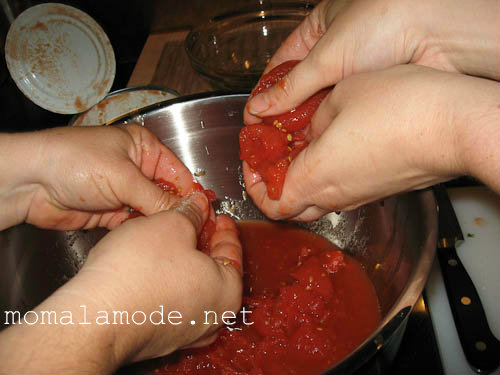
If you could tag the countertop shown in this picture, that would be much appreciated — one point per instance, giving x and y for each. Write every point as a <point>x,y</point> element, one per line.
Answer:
<point>164,62</point>
<point>478,212</point>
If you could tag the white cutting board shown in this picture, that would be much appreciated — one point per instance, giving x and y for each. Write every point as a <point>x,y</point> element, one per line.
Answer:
<point>478,212</point>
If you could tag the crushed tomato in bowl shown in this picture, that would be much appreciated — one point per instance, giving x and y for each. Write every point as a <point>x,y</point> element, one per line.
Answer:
<point>270,147</point>
<point>310,306</point>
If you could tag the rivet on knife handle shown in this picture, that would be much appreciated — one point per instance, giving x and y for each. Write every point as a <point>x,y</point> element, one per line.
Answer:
<point>480,346</point>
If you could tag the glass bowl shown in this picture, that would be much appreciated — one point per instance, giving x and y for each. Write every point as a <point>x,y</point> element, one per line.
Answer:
<point>232,50</point>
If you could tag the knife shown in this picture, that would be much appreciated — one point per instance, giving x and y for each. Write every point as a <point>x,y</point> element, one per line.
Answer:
<point>480,346</point>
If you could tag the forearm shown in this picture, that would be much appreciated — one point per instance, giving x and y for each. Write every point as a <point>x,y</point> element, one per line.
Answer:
<point>480,144</point>
<point>466,33</point>
<point>63,344</point>
<point>18,153</point>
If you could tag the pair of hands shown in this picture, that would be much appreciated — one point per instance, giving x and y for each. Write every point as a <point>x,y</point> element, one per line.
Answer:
<point>378,133</point>
<point>73,178</point>
<point>402,116</point>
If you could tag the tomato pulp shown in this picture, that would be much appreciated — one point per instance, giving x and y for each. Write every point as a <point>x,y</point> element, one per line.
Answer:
<point>270,147</point>
<point>310,304</point>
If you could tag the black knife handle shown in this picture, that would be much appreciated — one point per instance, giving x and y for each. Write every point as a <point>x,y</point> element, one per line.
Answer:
<point>480,346</point>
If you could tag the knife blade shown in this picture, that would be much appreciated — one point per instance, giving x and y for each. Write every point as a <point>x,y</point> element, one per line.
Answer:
<point>480,346</point>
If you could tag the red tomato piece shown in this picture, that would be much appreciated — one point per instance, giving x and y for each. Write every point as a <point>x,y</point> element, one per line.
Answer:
<point>296,305</point>
<point>234,349</point>
<point>332,260</point>
<point>275,178</point>
<point>312,276</point>
<point>210,194</point>
<point>305,252</point>
<point>262,146</point>
<point>298,118</point>
<point>262,319</point>
<point>273,76</point>
<point>266,150</point>
<point>270,352</point>
<point>269,152</point>
<point>310,344</point>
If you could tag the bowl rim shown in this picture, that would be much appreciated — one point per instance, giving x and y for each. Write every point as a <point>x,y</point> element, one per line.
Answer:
<point>250,14</point>
<point>294,5</point>
<point>75,117</point>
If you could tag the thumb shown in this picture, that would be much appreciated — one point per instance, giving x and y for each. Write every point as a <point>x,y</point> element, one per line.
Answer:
<point>182,222</point>
<point>322,52</point>
<point>195,208</point>
<point>304,80</point>
<point>144,196</point>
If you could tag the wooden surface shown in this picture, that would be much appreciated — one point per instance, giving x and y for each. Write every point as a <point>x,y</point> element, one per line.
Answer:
<point>164,62</point>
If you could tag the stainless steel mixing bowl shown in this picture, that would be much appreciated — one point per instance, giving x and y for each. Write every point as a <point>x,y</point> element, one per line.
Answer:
<point>394,240</point>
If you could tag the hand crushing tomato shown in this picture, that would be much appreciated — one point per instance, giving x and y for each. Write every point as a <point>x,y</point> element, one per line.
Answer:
<point>270,147</point>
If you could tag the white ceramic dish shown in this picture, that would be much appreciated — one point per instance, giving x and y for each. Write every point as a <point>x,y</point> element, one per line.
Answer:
<point>120,103</point>
<point>60,58</point>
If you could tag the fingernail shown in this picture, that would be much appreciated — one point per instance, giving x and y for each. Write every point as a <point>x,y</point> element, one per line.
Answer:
<point>258,104</point>
<point>195,208</point>
<point>226,262</point>
<point>199,200</point>
<point>255,178</point>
